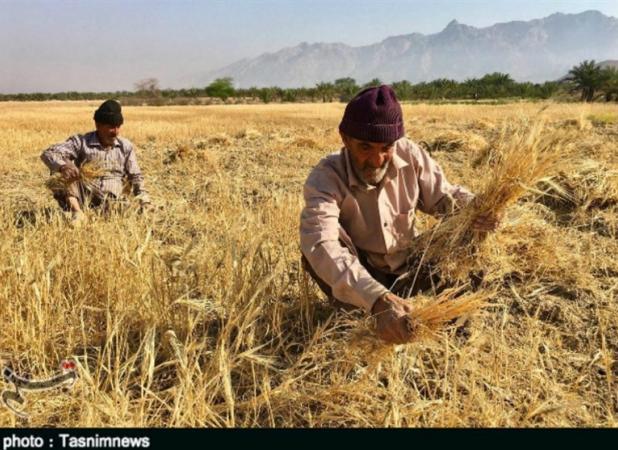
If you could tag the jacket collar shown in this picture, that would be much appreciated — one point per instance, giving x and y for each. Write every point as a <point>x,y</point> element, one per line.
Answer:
<point>93,140</point>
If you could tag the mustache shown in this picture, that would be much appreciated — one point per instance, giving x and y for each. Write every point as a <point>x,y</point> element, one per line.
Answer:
<point>376,169</point>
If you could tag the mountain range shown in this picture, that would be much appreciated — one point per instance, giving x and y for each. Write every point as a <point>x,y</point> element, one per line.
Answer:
<point>537,50</point>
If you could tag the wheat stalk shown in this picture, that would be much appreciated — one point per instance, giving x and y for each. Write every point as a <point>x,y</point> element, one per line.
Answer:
<point>432,314</point>
<point>89,171</point>
<point>522,159</point>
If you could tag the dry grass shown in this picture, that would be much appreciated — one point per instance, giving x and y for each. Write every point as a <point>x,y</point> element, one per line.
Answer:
<point>199,314</point>
<point>432,314</point>
<point>524,155</point>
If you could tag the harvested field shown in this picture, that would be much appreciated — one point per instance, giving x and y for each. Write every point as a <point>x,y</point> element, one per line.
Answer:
<point>199,313</point>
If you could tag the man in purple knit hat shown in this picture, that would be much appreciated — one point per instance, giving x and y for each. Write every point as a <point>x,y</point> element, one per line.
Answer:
<point>358,219</point>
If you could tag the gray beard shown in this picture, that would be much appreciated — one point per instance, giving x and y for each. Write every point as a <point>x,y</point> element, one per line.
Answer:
<point>376,177</point>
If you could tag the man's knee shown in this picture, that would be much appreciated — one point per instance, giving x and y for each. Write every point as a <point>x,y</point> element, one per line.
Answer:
<point>62,199</point>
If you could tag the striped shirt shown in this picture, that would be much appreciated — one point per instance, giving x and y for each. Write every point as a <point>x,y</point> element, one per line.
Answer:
<point>117,162</point>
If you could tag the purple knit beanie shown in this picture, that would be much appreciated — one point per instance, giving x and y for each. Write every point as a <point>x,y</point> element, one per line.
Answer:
<point>373,115</point>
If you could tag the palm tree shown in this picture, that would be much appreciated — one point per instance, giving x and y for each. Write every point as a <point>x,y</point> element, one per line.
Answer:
<point>588,78</point>
<point>403,89</point>
<point>610,87</point>
<point>373,83</point>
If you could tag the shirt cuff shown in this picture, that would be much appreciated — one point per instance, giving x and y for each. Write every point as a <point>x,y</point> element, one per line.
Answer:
<point>143,197</point>
<point>55,166</point>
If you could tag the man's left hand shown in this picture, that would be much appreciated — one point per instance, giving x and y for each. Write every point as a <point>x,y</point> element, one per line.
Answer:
<point>487,222</point>
<point>145,206</point>
<point>144,202</point>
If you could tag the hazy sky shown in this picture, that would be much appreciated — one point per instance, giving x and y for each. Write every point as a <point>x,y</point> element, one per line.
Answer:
<point>61,45</point>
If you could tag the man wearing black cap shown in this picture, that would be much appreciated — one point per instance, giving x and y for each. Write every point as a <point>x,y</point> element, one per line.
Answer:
<point>114,155</point>
<point>358,220</point>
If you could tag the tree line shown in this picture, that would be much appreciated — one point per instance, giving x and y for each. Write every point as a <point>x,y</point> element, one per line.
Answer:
<point>588,80</point>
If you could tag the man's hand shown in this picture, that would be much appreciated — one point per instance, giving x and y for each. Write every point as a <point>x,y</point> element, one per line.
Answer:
<point>487,222</point>
<point>78,218</point>
<point>69,171</point>
<point>146,207</point>
<point>393,322</point>
<point>144,203</point>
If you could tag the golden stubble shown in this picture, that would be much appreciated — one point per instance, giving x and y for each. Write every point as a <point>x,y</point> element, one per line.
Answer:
<point>200,314</point>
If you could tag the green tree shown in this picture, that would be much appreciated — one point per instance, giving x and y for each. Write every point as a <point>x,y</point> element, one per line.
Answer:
<point>443,88</point>
<point>326,91</point>
<point>403,89</point>
<point>373,83</point>
<point>221,88</point>
<point>497,79</point>
<point>345,88</point>
<point>547,89</point>
<point>473,88</point>
<point>610,86</point>
<point>289,95</point>
<point>497,84</point>
<point>267,94</point>
<point>588,78</point>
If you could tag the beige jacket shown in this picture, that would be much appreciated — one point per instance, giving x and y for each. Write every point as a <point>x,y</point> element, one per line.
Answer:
<point>378,220</point>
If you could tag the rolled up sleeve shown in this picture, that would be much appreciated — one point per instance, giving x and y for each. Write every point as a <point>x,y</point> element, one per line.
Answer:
<point>58,155</point>
<point>321,243</point>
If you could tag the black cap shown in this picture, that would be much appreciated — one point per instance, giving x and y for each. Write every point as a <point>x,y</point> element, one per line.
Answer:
<point>110,113</point>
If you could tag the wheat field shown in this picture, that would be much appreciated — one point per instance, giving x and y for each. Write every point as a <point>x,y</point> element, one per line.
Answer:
<point>198,314</point>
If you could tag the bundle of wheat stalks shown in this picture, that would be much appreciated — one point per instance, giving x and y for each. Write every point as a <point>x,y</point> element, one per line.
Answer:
<point>88,172</point>
<point>431,314</point>
<point>521,158</point>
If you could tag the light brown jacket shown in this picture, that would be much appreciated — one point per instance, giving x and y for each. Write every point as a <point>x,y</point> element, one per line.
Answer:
<point>378,220</point>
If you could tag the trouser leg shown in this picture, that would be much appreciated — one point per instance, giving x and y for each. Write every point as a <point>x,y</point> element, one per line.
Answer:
<point>76,193</point>
<point>62,200</point>
<point>418,279</point>
<point>73,193</point>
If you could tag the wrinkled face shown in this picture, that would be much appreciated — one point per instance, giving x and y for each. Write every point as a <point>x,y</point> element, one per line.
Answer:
<point>370,160</point>
<point>107,133</point>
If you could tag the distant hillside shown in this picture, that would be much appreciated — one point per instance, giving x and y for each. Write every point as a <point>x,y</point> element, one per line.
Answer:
<point>536,50</point>
<point>610,63</point>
